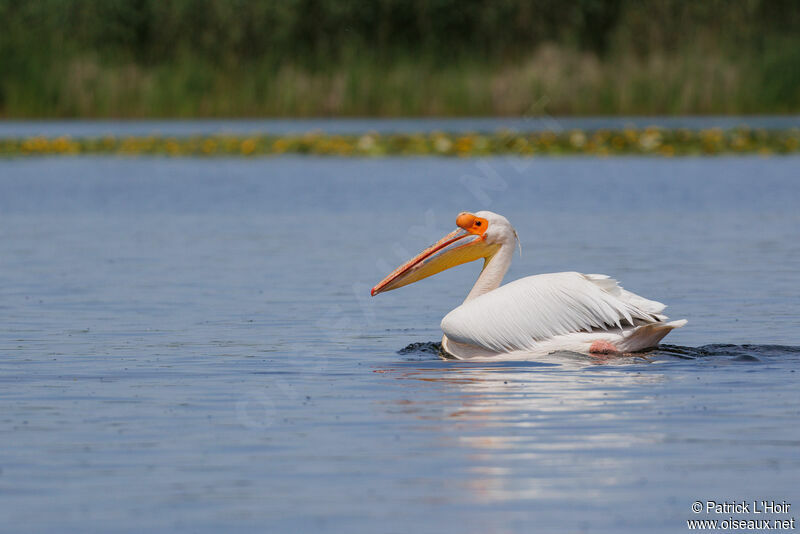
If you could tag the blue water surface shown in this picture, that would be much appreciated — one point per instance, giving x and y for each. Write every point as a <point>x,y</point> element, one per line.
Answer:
<point>189,345</point>
<point>541,121</point>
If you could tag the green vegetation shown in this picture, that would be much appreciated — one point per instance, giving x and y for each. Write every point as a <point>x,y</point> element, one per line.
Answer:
<point>190,58</point>
<point>649,141</point>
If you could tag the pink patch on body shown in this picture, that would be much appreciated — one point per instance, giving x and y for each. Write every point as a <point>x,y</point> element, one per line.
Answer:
<point>603,347</point>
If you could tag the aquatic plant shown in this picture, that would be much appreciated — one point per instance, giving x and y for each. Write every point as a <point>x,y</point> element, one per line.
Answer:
<point>648,141</point>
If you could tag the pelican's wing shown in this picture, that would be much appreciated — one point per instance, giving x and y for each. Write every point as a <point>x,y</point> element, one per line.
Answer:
<point>520,314</point>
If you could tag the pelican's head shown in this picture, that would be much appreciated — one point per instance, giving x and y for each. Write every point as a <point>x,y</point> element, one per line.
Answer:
<point>479,235</point>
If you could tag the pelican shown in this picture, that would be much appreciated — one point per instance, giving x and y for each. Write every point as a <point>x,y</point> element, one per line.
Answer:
<point>532,316</point>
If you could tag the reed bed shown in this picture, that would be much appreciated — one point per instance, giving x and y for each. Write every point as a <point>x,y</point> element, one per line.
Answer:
<point>346,58</point>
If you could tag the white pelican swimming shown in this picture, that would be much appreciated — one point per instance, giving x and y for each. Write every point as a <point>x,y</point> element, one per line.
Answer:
<point>533,316</point>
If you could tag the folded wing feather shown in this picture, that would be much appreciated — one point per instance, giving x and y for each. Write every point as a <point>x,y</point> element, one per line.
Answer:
<point>522,313</point>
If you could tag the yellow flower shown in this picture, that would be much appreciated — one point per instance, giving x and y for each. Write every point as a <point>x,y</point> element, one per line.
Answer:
<point>463,145</point>
<point>280,146</point>
<point>248,146</point>
<point>209,146</point>
<point>61,144</point>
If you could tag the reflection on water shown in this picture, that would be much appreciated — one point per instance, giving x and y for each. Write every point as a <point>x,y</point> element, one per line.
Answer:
<point>521,421</point>
<point>526,427</point>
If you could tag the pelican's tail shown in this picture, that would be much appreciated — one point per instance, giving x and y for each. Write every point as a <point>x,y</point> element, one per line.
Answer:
<point>647,336</point>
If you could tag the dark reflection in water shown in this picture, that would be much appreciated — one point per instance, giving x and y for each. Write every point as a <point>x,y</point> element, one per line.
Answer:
<point>430,350</point>
<point>738,352</point>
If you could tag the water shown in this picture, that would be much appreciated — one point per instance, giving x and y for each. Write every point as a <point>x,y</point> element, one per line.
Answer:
<point>99,128</point>
<point>190,346</point>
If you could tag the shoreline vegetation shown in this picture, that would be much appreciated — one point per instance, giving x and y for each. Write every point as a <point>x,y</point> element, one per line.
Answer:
<point>552,81</point>
<point>444,58</point>
<point>649,142</point>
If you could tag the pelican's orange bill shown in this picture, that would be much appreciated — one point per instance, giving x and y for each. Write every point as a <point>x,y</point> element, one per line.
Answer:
<point>457,247</point>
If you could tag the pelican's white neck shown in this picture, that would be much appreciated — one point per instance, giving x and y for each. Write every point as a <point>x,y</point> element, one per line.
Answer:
<point>494,269</point>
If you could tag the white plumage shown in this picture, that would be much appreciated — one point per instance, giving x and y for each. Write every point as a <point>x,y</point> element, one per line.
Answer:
<point>550,312</point>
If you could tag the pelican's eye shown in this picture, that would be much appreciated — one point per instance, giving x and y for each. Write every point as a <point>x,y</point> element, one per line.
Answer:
<point>473,224</point>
